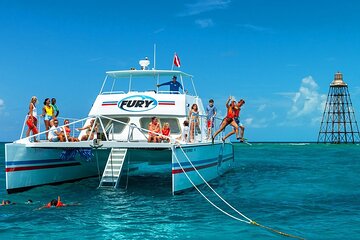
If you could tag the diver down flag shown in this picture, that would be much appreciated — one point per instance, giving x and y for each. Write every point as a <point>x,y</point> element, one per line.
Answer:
<point>176,60</point>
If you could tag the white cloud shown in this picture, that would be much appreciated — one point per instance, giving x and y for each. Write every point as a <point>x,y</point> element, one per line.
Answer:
<point>261,107</point>
<point>204,23</point>
<point>159,30</point>
<point>2,105</point>
<point>356,91</point>
<point>202,6</point>
<point>307,102</point>
<point>255,28</point>
<point>260,122</point>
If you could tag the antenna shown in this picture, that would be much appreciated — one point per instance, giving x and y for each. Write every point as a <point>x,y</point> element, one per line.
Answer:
<point>154,56</point>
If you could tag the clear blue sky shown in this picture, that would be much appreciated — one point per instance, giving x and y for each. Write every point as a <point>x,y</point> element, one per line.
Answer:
<point>280,56</point>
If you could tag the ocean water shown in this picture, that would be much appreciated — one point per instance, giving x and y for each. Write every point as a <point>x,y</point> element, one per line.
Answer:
<point>309,190</point>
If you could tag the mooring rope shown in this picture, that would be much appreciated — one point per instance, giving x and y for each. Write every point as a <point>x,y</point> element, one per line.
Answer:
<point>248,220</point>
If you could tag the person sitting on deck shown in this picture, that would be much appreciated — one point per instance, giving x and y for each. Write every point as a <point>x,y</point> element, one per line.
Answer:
<point>185,132</point>
<point>174,85</point>
<point>154,129</point>
<point>165,131</point>
<point>89,135</point>
<point>55,134</point>
<point>67,131</point>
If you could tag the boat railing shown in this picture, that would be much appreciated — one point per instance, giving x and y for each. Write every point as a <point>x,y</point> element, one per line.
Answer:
<point>112,92</point>
<point>200,132</point>
<point>43,133</point>
<point>170,92</point>
<point>38,126</point>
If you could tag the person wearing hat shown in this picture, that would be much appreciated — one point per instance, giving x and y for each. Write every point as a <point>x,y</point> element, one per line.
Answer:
<point>174,85</point>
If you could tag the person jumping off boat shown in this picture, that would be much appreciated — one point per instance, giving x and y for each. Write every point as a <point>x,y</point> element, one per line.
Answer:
<point>237,109</point>
<point>228,120</point>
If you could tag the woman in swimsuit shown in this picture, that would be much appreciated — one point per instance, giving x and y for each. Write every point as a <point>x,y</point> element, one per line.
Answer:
<point>154,128</point>
<point>32,120</point>
<point>165,131</point>
<point>194,120</point>
<point>89,134</point>
<point>48,114</point>
<point>228,120</point>
<point>67,132</point>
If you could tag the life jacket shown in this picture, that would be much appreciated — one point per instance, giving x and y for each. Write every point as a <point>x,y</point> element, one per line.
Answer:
<point>236,112</point>
<point>230,112</point>
<point>59,204</point>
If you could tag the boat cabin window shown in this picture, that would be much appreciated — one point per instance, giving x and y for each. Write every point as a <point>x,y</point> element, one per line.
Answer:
<point>173,122</point>
<point>118,127</point>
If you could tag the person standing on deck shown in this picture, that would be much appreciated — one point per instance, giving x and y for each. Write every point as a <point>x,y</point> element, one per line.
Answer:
<point>55,107</point>
<point>210,115</point>
<point>32,118</point>
<point>174,85</point>
<point>48,114</point>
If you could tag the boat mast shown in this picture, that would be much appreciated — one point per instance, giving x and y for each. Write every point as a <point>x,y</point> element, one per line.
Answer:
<point>154,56</point>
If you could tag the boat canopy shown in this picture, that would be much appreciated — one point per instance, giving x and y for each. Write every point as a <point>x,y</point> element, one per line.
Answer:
<point>146,73</point>
<point>133,77</point>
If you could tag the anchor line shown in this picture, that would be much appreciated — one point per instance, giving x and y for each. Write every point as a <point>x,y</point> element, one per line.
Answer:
<point>248,220</point>
<point>222,199</point>
<point>213,204</point>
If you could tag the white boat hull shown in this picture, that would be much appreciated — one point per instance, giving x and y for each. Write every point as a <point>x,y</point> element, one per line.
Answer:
<point>27,167</point>
<point>210,161</point>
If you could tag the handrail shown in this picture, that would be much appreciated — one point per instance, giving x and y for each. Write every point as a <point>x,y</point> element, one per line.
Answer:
<point>132,126</point>
<point>40,133</point>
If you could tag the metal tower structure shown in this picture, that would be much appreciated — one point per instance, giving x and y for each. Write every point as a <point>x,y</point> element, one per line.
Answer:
<point>338,124</point>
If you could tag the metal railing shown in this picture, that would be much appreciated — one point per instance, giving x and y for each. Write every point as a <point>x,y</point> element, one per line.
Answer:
<point>107,133</point>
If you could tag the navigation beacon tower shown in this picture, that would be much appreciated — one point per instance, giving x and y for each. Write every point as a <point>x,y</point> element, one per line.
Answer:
<point>338,124</point>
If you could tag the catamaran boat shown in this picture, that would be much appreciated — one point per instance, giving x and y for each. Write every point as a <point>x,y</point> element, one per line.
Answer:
<point>119,145</point>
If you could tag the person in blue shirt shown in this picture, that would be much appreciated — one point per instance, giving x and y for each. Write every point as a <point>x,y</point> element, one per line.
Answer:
<point>210,115</point>
<point>174,85</point>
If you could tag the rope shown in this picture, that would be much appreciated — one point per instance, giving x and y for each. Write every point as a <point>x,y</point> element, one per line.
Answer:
<point>248,220</point>
<point>228,204</point>
<point>213,204</point>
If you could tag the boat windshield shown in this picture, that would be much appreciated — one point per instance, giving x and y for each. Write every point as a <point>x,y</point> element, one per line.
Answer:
<point>146,81</point>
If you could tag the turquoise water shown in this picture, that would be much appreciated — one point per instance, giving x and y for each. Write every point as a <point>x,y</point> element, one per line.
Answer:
<point>312,191</point>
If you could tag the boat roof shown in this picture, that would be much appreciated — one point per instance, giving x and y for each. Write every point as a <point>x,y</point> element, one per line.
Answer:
<point>145,73</point>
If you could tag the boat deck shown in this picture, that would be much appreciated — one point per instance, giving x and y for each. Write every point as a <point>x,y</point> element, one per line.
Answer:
<point>112,144</point>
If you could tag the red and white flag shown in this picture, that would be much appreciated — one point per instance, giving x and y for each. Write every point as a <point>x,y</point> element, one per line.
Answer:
<point>176,60</point>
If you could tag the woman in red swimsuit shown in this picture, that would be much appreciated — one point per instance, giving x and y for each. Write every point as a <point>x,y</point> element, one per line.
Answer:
<point>31,122</point>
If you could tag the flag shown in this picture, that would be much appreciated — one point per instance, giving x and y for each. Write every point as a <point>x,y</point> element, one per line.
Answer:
<point>176,60</point>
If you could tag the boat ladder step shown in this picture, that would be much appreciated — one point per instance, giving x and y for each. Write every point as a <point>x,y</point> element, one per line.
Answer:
<point>114,165</point>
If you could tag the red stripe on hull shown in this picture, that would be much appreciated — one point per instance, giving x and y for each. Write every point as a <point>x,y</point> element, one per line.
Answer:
<point>41,167</point>
<point>175,171</point>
